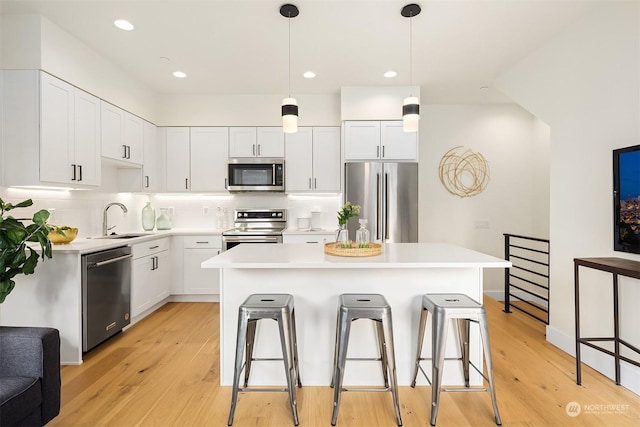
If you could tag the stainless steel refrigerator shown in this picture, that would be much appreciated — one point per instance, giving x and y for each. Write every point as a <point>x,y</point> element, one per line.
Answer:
<point>388,196</point>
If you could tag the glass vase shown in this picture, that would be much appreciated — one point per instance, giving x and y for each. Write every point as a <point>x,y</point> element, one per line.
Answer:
<point>342,234</point>
<point>148,217</point>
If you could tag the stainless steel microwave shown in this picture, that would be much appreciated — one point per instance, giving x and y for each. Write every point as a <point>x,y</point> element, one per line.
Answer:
<point>255,174</point>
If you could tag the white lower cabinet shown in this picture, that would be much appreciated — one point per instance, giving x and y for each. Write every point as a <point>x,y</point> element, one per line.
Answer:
<point>308,238</point>
<point>197,249</point>
<point>150,274</point>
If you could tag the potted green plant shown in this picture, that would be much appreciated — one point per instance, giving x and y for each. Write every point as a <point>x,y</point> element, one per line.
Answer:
<point>16,256</point>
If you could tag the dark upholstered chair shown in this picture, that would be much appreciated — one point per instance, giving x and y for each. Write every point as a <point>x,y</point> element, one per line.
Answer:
<point>29,375</point>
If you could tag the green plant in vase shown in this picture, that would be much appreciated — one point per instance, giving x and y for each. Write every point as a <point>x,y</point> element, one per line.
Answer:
<point>16,256</point>
<point>347,211</point>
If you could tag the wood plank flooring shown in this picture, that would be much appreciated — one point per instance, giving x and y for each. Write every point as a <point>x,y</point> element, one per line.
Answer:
<point>164,371</point>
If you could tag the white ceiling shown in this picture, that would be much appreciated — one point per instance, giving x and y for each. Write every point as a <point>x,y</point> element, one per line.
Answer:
<point>240,47</point>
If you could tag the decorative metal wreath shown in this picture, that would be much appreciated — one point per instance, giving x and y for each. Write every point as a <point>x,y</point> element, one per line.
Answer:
<point>464,172</point>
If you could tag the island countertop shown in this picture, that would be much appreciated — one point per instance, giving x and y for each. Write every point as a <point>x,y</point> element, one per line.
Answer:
<point>394,255</point>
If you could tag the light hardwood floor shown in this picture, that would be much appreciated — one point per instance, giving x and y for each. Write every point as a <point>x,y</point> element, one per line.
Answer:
<point>164,371</point>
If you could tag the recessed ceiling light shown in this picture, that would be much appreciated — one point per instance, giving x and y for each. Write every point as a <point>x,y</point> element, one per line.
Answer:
<point>164,59</point>
<point>123,24</point>
<point>390,74</point>
<point>179,74</point>
<point>484,87</point>
<point>309,74</point>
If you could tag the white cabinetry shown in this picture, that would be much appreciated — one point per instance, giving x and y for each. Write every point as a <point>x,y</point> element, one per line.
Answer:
<point>196,158</point>
<point>149,179</point>
<point>196,250</point>
<point>379,140</point>
<point>122,135</point>
<point>308,237</point>
<point>256,142</point>
<point>150,274</point>
<point>313,160</point>
<point>50,131</point>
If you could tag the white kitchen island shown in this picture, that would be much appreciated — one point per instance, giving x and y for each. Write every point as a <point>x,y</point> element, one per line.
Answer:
<point>402,273</point>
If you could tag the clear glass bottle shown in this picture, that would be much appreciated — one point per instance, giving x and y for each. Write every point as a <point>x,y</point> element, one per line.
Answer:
<point>342,235</point>
<point>148,217</point>
<point>164,220</point>
<point>363,237</point>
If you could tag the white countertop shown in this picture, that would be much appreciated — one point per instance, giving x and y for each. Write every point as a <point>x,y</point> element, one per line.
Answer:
<point>394,255</point>
<point>85,245</point>
<point>308,231</point>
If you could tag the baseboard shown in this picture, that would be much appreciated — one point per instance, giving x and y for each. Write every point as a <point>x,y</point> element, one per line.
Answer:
<point>603,363</point>
<point>195,298</point>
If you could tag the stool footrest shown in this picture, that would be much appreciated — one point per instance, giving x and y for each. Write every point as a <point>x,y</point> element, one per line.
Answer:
<point>465,389</point>
<point>266,359</point>
<point>364,388</point>
<point>364,359</point>
<point>262,390</point>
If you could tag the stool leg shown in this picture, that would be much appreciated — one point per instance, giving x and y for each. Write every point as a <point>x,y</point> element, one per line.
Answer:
<point>484,334</point>
<point>285,327</point>
<point>439,339</point>
<point>463,339</point>
<point>421,328</point>
<point>383,351</point>
<point>388,342</point>
<point>249,344</point>
<point>237,370</point>
<point>335,350</point>
<point>342,338</point>
<point>296,362</point>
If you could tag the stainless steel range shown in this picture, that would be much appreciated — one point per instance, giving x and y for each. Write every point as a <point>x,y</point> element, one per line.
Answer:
<point>255,226</point>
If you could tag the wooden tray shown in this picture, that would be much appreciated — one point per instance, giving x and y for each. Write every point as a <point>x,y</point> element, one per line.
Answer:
<point>333,248</point>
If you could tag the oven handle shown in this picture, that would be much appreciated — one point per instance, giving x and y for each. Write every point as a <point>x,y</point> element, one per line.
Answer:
<point>252,240</point>
<point>109,261</point>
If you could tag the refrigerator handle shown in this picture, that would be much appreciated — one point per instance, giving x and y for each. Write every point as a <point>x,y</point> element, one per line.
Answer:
<point>386,206</point>
<point>378,206</point>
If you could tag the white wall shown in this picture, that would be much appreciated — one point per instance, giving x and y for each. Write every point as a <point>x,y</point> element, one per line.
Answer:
<point>586,85</point>
<point>515,195</point>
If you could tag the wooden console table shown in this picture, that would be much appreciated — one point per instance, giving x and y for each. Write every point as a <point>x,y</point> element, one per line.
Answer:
<point>617,267</point>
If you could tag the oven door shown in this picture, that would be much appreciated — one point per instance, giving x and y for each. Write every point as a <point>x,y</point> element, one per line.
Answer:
<point>229,242</point>
<point>255,175</point>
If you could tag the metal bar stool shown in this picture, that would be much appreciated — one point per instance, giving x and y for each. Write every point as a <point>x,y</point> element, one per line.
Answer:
<point>278,307</point>
<point>445,307</point>
<point>364,306</point>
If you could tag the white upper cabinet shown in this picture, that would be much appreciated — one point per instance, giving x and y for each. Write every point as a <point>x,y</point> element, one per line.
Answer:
<point>177,159</point>
<point>209,155</point>
<point>256,142</point>
<point>196,158</point>
<point>50,131</point>
<point>379,140</point>
<point>122,135</point>
<point>152,166</point>
<point>312,162</point>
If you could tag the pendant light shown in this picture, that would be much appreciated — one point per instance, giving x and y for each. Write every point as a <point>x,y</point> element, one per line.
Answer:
<point>289,104</point>
<point>411,105</point>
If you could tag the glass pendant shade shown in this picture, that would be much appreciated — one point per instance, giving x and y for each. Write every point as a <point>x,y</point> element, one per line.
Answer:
<point>411,114</point>
<point>289,115</point>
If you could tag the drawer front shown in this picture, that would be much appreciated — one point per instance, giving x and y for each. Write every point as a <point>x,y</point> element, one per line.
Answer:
<point>308,238</point>
<point>203,242</point>
<point>149,247</point>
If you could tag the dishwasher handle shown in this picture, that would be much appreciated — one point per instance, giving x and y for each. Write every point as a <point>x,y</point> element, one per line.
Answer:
<point>109,261</point>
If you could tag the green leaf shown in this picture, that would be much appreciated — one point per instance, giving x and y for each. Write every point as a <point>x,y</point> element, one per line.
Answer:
<point>31,262</point>
<point>41,217</point>
<point>6,286</point>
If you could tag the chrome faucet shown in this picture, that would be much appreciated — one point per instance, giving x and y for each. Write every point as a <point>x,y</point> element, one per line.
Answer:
<point>104,218</point>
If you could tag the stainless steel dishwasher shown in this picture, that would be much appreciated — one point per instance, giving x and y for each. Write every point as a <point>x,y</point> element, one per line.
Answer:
<point>106,294</point>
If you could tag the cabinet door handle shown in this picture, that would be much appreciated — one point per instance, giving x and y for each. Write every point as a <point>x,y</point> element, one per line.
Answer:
<point>154,247</point>
<point>73,178</point>
<point>378,151</point>
<point>128,151</point>
<point>225,184</point>
<point>202,243</point>
<point>254,149</point>
<point>124,151</point>
<point>315,182</point>
<point>80,172</point>
<point>186,183</point>
<point>309,183</point>
<point>146,181</point>
<point>383,151</point>
<point>258,149</point>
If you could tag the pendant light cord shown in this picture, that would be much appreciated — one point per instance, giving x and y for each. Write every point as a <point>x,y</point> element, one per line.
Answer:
<point>411,54</point>
<point>289,54</point>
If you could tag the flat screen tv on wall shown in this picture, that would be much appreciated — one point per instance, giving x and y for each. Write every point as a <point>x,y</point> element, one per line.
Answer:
<point>626,204</point>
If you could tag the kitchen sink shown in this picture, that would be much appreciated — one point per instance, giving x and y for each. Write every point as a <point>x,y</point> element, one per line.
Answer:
<point>126,235</point>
